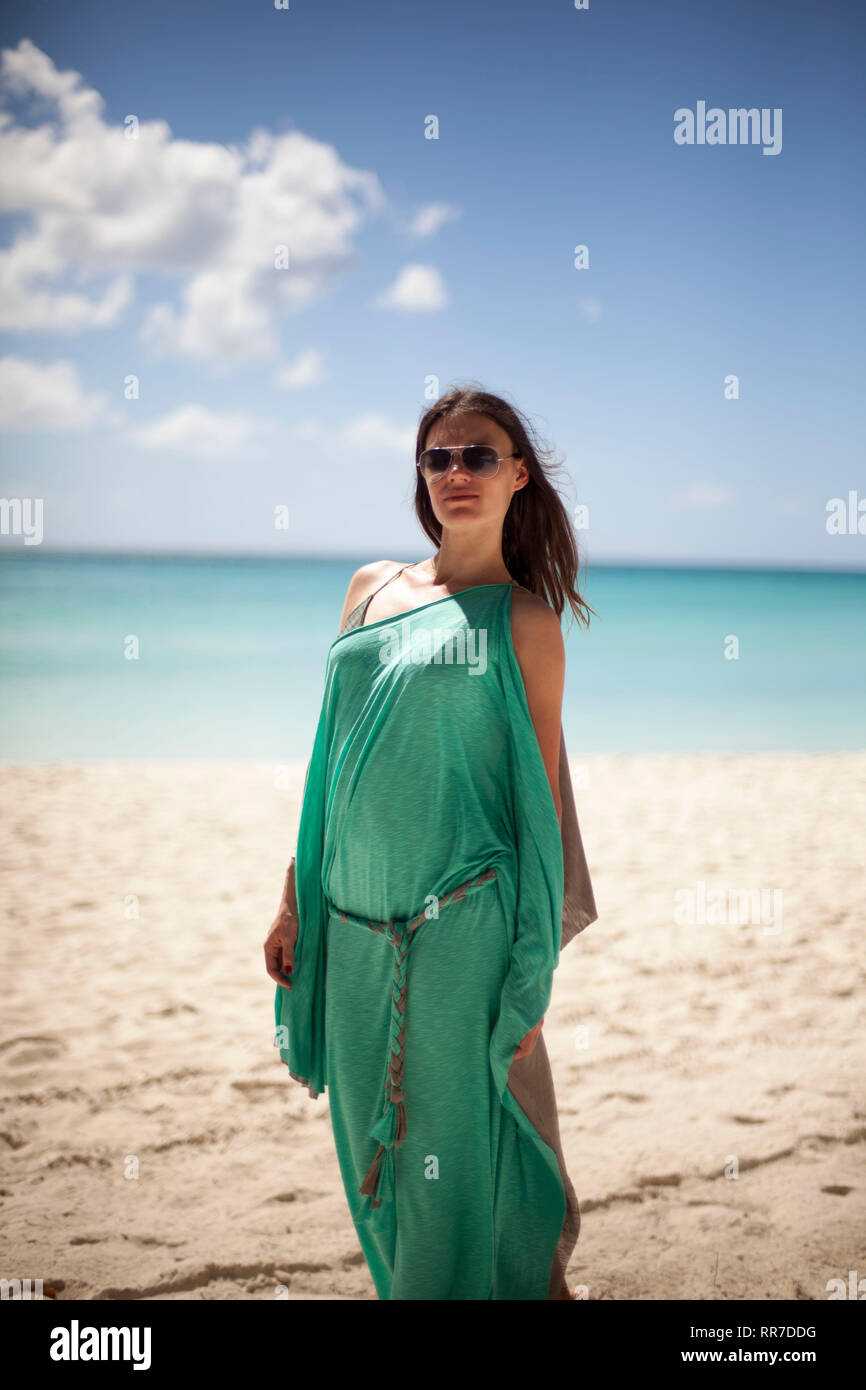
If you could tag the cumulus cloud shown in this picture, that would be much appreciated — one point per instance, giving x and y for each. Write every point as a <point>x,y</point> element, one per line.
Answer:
<point>27,306</point>
<point>431,217</point>
<point>416,287</point>
<point>36,396</point>
<point>702,497</point>
<point>216,218</point>
<point>197,432</point>
<point>369,433</point>
<point>375,432</point>
<point>307,369</point>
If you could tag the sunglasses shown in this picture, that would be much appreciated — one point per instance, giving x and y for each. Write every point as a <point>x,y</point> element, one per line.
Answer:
<point>481,460</point>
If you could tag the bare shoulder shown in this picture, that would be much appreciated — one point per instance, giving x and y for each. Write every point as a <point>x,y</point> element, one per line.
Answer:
<point>536,631</point>
<point>365,580</point>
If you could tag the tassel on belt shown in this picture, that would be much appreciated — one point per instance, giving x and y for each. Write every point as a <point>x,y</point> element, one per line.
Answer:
<point>390,1129</point>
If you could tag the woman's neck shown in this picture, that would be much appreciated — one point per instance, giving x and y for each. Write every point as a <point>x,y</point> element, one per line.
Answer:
<point>464,567</point>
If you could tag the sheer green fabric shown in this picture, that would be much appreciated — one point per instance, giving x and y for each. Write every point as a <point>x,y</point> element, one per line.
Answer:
<point>409,998</point>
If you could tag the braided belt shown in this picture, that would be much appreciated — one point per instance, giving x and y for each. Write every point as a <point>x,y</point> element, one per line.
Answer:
<point>390,1129</point>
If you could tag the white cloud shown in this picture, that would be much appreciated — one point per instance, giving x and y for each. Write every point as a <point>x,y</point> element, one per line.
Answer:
<point>590,309</point>
<point>702,497</point>
<point>222,315</point>
<point>27,70</point>
<point>198,432</point>
<point>370,433</point>
<point>36,396</point>
<point>416,287</point>
<point>307,369</point>
<point>430,218</point>
<point>310,432</point>
<point>210,216</point>
<point>27,306</point>
<point>375,432</point>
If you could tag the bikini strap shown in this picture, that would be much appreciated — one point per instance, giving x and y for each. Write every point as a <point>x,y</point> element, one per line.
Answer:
<point>366,601</point>
<point>359,612</point>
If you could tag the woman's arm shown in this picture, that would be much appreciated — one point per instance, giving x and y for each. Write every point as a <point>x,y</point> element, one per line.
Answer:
<point>538,645</point>
<point>282,936</point>
<point>537,636</point>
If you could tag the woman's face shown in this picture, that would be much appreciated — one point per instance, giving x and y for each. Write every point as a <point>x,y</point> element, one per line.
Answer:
<point>458,498</point>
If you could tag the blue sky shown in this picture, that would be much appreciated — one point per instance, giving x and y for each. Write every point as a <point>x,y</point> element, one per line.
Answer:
<point>411,259</point>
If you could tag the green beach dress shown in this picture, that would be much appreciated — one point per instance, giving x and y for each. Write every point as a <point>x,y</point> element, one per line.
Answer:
<point>429,880</point>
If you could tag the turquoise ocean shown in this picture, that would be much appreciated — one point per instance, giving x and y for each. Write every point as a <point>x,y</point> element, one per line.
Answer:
<point>232,651</point>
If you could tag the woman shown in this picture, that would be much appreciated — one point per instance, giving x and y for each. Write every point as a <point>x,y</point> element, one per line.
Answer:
<point>437,872</point>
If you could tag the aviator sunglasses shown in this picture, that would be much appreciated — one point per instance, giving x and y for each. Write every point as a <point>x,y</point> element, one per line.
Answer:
<point>481,460</point>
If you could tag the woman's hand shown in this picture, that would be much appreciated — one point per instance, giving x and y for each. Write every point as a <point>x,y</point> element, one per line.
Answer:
<point>528,1042</point>
<point>280,945</point>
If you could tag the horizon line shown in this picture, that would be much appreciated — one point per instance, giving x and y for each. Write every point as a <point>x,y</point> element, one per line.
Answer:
<point>634,562</point>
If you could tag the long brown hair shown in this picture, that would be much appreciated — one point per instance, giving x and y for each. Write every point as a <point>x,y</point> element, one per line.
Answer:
<point>538,542</point>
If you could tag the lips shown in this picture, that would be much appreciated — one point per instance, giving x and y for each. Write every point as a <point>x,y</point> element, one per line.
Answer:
<point>449,495</point>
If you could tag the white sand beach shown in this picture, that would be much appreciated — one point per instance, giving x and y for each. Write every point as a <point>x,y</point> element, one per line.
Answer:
<point>153,1145</point>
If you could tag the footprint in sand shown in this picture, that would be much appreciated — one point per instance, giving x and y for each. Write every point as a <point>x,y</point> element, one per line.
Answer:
<point>16,1054</point>
<point>259,1090</point>
<point>301,1194</point>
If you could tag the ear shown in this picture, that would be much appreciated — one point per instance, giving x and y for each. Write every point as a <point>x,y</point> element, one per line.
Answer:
<point>522,476</point>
